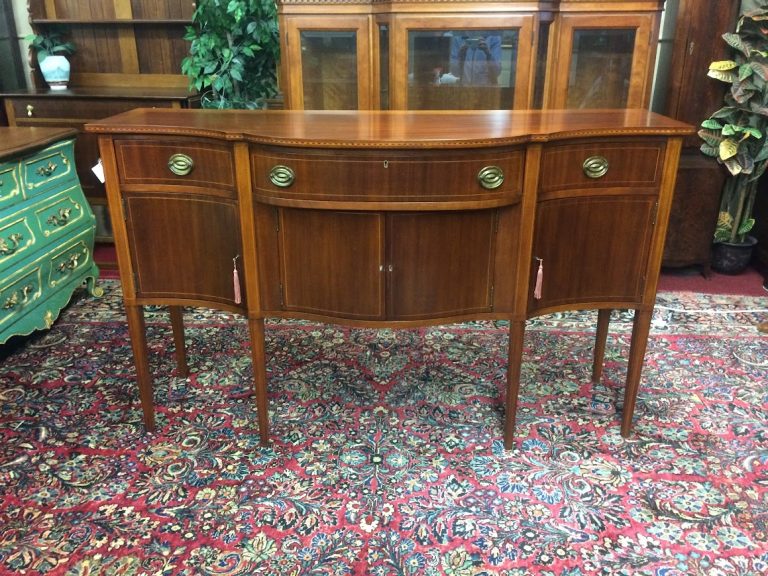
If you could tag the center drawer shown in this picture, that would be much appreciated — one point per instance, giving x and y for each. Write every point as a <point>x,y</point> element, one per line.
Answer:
<point>183,165</point>
<point>388,176</point>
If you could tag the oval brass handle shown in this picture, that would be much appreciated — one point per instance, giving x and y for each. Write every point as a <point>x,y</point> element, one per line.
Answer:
<point>281,176</point>
<point>595,166</point>
<point>30,109</point>
<point>180,164</point>
<point>490,177</point>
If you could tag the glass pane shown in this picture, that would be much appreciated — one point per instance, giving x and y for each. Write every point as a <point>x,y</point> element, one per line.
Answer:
<point>462,69</point>
<point>329,69</point>
<point>601,67</point>
<point>384,66</point>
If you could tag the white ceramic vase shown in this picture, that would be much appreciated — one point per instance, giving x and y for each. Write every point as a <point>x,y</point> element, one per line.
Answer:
<point>55,70</point>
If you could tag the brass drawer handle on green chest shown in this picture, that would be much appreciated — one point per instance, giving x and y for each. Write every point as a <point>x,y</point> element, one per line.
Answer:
<point>181,164</point>
<point>282,176</point>
<point>595,166</point>
<point>490,177</point>
<point>48,169</point>
<point>10,245</point>
<point>60,219</point>
<point>14,300</point>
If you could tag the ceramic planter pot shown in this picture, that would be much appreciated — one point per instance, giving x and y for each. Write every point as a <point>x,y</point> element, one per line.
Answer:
<point>55,70</point>
<point>728,258</point>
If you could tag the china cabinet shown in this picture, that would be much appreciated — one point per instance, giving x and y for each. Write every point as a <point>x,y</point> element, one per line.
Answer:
<point>467,54</point>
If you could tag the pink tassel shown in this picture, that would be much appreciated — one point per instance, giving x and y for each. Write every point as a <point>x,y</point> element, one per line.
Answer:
<point>539,280</point>
<point>236,281</point>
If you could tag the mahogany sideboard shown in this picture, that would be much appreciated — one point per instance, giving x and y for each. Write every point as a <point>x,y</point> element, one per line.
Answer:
<point>393,218</point>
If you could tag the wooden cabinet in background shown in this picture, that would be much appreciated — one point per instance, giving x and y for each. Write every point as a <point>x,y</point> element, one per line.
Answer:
<point>692,97</point>
<point>128,55</point>
<point>602,54</point>
<point>427,55</point>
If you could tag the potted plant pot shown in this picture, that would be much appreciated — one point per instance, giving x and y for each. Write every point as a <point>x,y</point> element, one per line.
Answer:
<point>732,258</point>
<point>55,70</point>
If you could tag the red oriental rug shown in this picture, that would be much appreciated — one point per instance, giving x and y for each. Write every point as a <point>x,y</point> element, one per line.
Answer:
<point>386,455</point>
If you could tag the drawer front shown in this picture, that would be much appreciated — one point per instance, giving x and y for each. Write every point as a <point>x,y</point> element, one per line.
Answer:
<point>387,176</point>
<point>62,213</point>
<point>10,186</point>
<point>27,109</point>
<point>67,262</point>
<point>602,164</point>
<point>16,239</point>
<point>20,293</point>
<point>182,165</point>
<point>50,167</point>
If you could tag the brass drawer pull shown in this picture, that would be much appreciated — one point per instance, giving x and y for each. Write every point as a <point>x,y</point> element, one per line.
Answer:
<point>490,177</point>
<point>18,297</point>
<point>10,245</point>
<point>282,176</point>
<point>595,166</point>
<point>47,170</point>
<point>30,110</point>
<point>59,219</point>
<point>180,164</point>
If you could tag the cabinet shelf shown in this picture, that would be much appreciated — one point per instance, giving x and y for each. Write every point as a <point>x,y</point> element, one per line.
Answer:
<point>111,22</point>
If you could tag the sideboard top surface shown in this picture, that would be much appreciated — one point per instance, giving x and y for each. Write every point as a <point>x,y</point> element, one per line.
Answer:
<point>391,129</point>
<point>14,140</point>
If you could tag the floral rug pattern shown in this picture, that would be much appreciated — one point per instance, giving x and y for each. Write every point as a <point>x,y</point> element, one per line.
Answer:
<point>386,456</point>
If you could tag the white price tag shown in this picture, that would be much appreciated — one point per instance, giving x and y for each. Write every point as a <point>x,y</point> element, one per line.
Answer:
<point>98,169</point>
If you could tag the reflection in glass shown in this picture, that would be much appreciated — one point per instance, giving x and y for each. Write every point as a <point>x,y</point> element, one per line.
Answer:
<point>462,69</point>
<point>384,66</point>
<point>329,69</point>
<point>601,66</point>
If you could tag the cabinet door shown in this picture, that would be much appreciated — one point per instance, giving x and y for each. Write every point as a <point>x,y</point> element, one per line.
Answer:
<point>326,63</point>
<point>602,61</point>
<point>593,249</point>
<point>483,62</point>
<point>332,263</point>
<point>184,247</point>
<point>440,264</point>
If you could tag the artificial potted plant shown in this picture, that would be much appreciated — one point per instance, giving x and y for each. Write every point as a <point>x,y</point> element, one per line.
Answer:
<point>52,51</point>
<point>234,52</point>
<point>737,135</point>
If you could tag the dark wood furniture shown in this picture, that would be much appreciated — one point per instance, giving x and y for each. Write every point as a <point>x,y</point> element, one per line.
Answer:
<point>692,97</point>
<point>390,218</point>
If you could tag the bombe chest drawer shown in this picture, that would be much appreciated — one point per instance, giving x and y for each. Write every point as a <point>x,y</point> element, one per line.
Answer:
<point>46,229</point>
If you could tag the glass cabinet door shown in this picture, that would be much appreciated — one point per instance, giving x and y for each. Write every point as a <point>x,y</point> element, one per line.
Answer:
<point>461,64</point>
<point>329,63</point>
<point>602,62</point>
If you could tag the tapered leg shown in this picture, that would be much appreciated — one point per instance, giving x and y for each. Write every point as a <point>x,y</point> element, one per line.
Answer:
<point>177,325</point>
<point>137,331</point>
<point>640,331</point>
<point>601,336</point>
<point>516,336</point>
<point>256,327</point>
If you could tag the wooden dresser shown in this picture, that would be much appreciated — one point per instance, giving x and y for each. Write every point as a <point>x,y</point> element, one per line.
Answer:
<point>390,218</point>
<point>46,229</point>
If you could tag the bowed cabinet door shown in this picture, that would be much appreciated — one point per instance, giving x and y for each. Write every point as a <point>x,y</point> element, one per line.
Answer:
<point>595,219</point>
